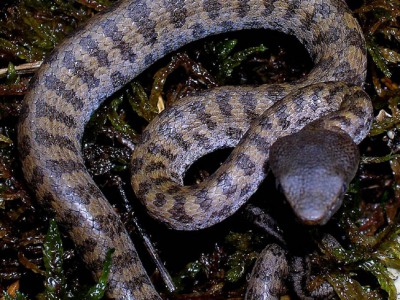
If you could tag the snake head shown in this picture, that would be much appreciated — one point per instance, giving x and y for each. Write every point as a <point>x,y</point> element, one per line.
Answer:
<point>314,168</point>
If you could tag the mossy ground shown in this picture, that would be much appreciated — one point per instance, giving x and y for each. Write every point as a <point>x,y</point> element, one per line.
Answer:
<point>213,263</point>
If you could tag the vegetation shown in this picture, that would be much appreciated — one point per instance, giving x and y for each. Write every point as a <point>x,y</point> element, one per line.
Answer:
<point>353,252</point>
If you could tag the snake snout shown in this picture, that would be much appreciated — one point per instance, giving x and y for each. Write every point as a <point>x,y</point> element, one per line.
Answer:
<point>314,168</point>
<point>315,195</point>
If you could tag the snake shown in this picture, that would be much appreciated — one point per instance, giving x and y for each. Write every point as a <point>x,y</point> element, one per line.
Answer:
<point>117,45</point>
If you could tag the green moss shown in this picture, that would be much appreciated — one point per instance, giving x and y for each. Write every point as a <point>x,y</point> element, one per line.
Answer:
<point>30,29</point>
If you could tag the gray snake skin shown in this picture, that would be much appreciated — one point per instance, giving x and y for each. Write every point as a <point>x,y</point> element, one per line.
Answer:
<point>116,46</point>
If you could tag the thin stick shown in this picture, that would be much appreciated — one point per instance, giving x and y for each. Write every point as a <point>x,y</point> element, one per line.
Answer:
<point>147,242</point>
<point>27,68</point>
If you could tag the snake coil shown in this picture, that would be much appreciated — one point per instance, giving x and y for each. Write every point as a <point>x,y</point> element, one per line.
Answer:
<point>115,47</point>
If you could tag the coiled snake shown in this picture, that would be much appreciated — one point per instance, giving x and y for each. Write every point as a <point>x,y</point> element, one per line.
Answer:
<point>116,46</point>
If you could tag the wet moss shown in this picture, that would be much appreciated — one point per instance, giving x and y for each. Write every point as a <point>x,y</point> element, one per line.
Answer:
<point>366,229</point>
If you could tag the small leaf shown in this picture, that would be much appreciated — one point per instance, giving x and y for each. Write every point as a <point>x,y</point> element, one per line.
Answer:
<point>377,57</point>
<point>140,102</point>
<point>97,291</point>
<point>12,76</point>
<point>332,248</point>
<point>116,120</point>
<point>53,260</point>
<point>390,55</point>
<point>378,160</point>
<point>18,296</point>
<point>224,48</point>
<point>8,47</point>
<point>346,287</point>
<point>5,139</point>
<point>230,63</point>
<point>382,275</point>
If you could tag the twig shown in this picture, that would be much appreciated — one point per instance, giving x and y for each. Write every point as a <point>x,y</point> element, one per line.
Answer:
<point>147,241</point>
<point>264,221</point>
<point>27,68</point>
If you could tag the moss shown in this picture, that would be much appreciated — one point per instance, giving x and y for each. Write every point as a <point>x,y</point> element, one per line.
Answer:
<point>367,226</point>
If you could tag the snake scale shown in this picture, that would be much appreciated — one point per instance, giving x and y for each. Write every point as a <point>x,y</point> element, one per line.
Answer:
<point>117,45</point>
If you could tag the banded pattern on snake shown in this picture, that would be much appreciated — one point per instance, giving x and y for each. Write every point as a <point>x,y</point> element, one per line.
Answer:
<point>116,46</point>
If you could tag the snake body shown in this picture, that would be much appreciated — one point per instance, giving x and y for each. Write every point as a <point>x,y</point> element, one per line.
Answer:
<point>115,47</point>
